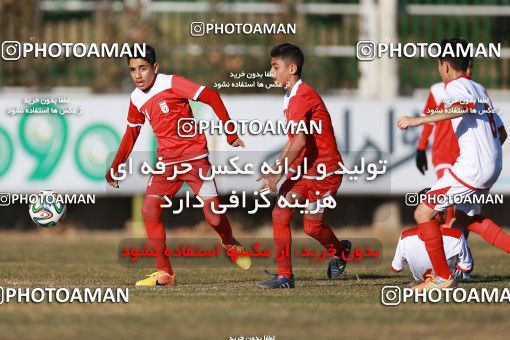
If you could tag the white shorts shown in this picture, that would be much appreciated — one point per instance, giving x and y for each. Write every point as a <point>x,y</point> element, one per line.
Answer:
<point>450,190</point>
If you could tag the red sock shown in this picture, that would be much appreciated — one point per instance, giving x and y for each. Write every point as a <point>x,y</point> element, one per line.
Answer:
<point>282,239</point>
<point>218,222</point>
<point>431,236</point>
<point>323,234</point>
<point>490,232</point>
<point>156,235</point>
<point>450,214</point>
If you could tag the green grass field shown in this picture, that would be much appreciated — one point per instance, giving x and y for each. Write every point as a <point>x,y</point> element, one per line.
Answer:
<point>219,302</point>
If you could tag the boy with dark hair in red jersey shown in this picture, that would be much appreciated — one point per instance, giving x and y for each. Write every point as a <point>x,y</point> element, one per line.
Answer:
<point>162,99</point>
<point>303,104</point>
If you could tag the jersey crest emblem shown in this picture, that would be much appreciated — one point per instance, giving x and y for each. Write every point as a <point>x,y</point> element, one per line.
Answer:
<point>164,107</point>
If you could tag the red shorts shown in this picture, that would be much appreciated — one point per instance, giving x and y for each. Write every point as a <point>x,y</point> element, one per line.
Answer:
<point>312,189</point>
<point>159,184</point>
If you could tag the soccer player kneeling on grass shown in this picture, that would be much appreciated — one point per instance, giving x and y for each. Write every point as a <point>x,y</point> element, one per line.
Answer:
<point>163,100</point>
<point>303,104</point>
<point>411,251</point>
<point>480,133</point>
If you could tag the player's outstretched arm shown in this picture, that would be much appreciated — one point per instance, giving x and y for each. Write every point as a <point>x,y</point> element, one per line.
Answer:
<point>212,98</point>
<point>403,122</point>
<point>284,151</point>
<point>123,152</point>
<point>290,152</point>
<point>193,91</point>
<point>265,183</point>
<point>294,148</point>
<point>430,105</point>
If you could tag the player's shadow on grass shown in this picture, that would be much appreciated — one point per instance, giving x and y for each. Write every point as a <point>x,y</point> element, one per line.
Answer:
<point>376,276</point>
<point>487,279</point>
<point>355,277</point>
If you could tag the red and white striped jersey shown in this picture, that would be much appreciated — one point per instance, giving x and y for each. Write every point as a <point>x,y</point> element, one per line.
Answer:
<point>163,105</point>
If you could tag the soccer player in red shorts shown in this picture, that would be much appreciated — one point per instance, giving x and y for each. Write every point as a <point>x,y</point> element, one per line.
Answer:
<point>163,100</point>
<point>445,147</point>
<point>302,103</point>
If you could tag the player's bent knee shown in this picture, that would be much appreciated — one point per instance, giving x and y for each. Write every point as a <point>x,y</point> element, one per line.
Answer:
<point>213,220</point>
<point>211,204</point>
<point>313,217</point>
<point>151,208</point>
<point>311,227</point>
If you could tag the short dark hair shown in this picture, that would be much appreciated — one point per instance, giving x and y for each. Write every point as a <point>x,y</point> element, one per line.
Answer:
<point>290,52</point>
<point>150,54</point>
<point>458,62</point>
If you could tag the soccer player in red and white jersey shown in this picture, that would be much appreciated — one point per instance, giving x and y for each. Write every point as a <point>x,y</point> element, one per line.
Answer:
<point>162,99</point>
<point>480,133</point>
<point>303,104</point>
<point>411,251</point>
<point>445,147</point>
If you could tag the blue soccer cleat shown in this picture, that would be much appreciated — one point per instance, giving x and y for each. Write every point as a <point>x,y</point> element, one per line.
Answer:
<point>337,264</point>
<point>277,282</point>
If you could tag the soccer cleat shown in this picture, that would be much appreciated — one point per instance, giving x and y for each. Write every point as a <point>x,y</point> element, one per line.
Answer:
<point>277,282</point>
<point>433,281</point>
<point>236,248</point>
<point>459,275</point>
<point>157,279</point>
<point>337,264</point>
